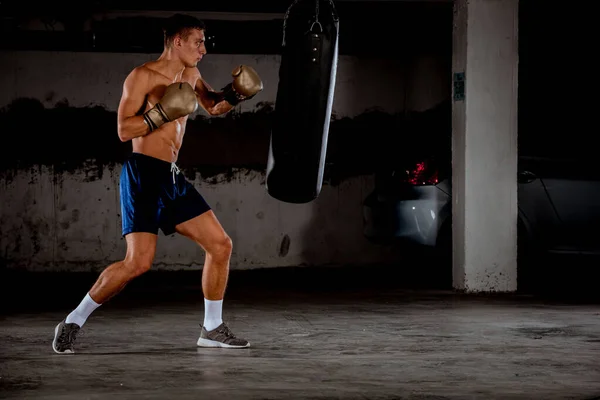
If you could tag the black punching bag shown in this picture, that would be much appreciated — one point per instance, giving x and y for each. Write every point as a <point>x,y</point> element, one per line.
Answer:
<point>298,143</point>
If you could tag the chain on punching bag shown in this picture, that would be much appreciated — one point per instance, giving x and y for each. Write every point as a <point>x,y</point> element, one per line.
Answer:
<point>298,143</point>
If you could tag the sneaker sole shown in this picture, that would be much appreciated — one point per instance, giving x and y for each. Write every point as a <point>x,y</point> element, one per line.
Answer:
<point>54,342</point>
<point>212,343</point>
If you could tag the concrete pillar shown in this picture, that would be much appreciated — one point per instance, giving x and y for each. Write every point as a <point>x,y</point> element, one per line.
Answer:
<point>484,145</point>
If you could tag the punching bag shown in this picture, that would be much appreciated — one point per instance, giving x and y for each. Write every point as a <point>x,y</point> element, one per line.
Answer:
<point>302,113</point>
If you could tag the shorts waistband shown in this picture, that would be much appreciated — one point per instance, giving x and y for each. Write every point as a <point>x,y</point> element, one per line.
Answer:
<point>156,164</point>
<point>152,160</point>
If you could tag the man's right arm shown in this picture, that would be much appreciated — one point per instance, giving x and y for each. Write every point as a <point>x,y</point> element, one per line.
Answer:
<point>131,124</point>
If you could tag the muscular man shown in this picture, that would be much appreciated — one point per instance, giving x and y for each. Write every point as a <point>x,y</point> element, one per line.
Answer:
<point>157,99</point>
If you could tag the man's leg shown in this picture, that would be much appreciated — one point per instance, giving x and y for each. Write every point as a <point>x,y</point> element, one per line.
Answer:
<point>141,248</point>
<point>208,233</point>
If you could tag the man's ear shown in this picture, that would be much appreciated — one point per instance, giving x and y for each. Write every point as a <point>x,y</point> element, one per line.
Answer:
<point>177,41</point>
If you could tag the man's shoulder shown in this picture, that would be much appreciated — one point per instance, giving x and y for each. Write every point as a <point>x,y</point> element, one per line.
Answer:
<point>142,70</point>
<point>191,72</point>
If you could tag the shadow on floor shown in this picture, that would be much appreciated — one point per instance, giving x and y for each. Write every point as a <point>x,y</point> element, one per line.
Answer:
<point>565,280</point>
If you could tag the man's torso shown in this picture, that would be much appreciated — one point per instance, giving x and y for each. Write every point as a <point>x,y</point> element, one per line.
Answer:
<point>163,143</point>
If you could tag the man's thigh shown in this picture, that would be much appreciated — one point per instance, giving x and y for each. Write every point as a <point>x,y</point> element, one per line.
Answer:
<point>185,204</point>
<point>204,229</point>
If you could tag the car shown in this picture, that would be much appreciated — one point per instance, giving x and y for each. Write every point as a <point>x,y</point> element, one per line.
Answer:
<point>558,205</point>
<point>410,205</point>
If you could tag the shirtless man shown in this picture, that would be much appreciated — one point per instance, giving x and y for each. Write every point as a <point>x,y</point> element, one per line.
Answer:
<point>156,102</point>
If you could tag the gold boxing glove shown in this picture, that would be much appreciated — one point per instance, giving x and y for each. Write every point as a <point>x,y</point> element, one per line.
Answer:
<point>246,84</point>
<point>178,101</point>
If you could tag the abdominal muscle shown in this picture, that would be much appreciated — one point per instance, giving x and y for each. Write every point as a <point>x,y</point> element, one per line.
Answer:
<point>163,143</point>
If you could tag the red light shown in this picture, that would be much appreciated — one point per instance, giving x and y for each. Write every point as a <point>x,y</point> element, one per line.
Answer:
<point>422,174</point>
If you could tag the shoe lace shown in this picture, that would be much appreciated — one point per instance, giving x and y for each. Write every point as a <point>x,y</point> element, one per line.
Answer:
<point>227,332</point>
<point>68,336</point>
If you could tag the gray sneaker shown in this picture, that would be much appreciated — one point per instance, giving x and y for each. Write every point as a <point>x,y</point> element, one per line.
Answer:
<point>64,337</point>
<point>221,336</point>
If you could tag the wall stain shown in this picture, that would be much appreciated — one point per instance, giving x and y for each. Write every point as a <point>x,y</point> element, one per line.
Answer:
<point>284,248</point>
<point>216,148</point>
<point>34,229</point>
<point>50,96</point>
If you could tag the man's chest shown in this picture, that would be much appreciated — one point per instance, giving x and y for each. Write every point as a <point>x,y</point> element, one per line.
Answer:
<point>158,87</point>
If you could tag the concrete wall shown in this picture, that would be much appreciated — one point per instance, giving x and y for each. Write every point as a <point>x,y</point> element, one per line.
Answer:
<point>60,209</point>
<point>58,220</point>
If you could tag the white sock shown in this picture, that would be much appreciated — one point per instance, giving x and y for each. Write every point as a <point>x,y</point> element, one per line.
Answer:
<point>83,311</point>
<point>213,314</point>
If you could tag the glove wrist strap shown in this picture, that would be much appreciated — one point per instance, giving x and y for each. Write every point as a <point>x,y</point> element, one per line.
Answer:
<point>231,96</point>
<point>155,117</point>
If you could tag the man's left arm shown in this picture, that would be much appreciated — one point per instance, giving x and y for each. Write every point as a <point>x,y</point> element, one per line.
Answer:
<point>213,102</point>
<point>245,85</point>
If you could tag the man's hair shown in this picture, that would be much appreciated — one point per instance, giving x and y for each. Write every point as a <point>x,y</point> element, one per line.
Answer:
<point>180,24</point>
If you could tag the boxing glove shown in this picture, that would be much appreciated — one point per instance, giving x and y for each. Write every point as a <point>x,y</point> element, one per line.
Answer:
<point>178,101</point>
<point>245,85</point>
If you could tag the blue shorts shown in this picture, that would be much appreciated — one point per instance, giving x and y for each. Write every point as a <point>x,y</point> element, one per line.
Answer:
<point>153,196</point>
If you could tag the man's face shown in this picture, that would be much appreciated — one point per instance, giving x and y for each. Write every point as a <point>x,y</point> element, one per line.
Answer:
<point>193,48</point>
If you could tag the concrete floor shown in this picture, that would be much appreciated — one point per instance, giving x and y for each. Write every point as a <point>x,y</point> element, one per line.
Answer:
<point>313,334</point>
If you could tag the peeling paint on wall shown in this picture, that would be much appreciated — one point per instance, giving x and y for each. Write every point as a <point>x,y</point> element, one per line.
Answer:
<point>85,140</point>
<point>63,137</point>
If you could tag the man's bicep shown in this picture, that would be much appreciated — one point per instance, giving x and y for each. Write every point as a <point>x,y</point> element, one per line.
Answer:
<point>134,94</point>
<point>207,97</point>
<point>202,85</point>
